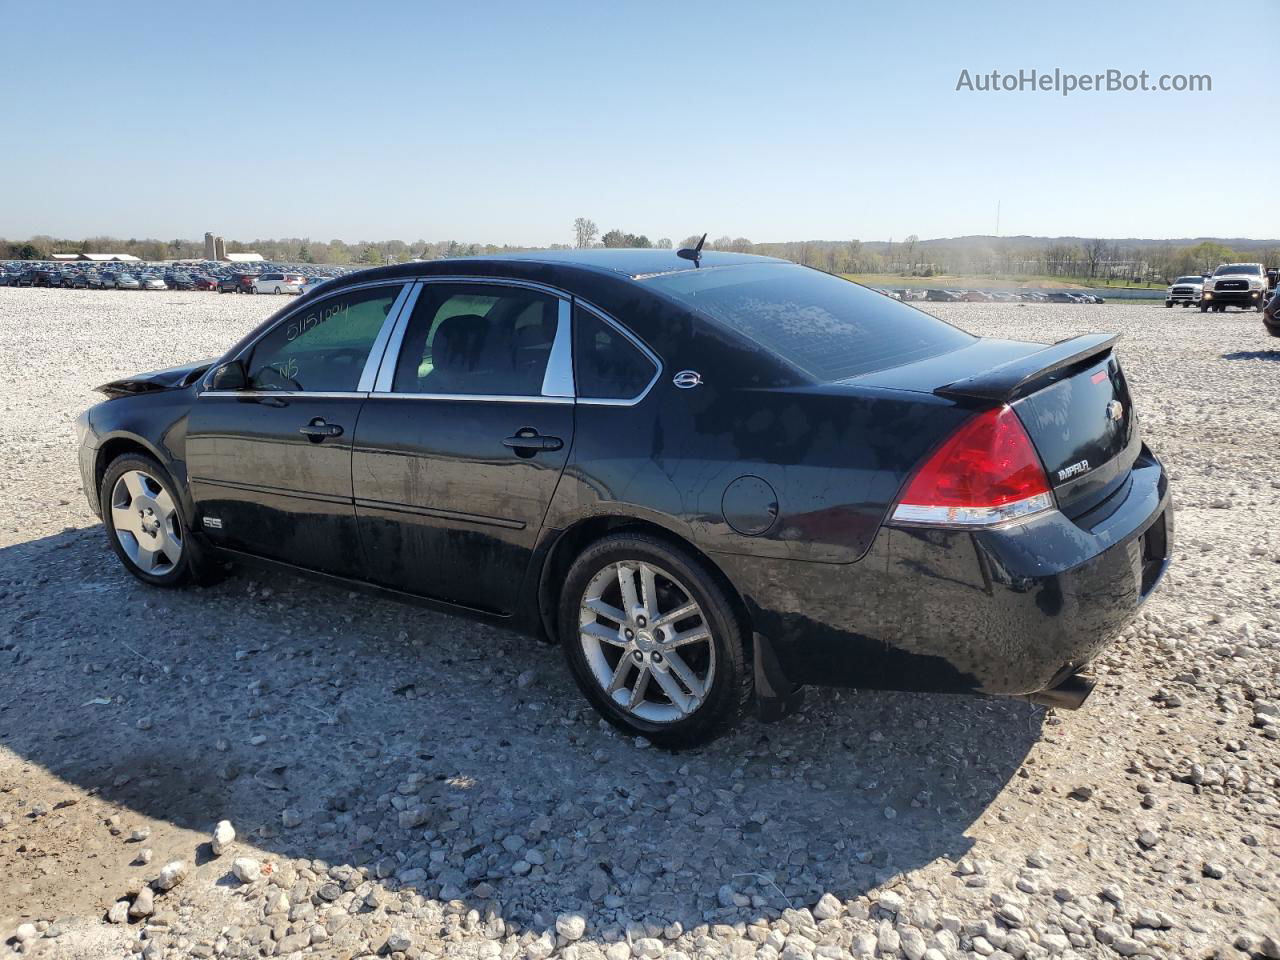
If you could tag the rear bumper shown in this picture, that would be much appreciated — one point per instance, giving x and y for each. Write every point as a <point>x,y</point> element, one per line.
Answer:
<point>1008,611</point>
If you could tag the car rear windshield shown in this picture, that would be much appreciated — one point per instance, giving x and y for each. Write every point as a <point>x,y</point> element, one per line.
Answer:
<point>830,328</point>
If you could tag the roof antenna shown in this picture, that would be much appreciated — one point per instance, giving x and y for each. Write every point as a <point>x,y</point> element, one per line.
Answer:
<point>694,253</point>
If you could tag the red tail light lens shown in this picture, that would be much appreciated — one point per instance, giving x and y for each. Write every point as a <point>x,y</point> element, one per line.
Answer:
<point>986,473</point>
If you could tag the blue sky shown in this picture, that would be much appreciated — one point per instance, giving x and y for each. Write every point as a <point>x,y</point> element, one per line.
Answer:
<point>504,121</point>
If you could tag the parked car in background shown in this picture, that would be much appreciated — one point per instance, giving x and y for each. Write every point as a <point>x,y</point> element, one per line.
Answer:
<point>237,283</point>
<point>906,506</point>
<point>179,281</point>
<point>1271,314</point>
<point>93,281</point>
<point>1234,285</point>
<point>127,281</point>
<point>1184,291</point>
<point>271,282</point>
<point>941,296</point>
<point>152,282</point>
<point>201,282</point>
<point>311,283</point>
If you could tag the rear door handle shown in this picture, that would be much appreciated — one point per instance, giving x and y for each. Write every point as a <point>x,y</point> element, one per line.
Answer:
<point>529,442</point>
<point>317,430</point>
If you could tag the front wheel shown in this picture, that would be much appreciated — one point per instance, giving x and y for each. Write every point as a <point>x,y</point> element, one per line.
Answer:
<point>654,641</point>
<point>144,520</point>
<point>1168,303</point>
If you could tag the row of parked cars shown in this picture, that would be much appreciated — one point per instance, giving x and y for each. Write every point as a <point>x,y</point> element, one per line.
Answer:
<point>995,296</point>
<point>270,279</point>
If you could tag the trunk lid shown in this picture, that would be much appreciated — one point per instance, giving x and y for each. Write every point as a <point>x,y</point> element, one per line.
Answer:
<point>1072,397</point>
<point>1086,432</point>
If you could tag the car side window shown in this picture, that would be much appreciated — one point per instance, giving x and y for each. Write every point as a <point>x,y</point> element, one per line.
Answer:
<point>477,339</point>
<point>324,347</point>
<point>606,364</point>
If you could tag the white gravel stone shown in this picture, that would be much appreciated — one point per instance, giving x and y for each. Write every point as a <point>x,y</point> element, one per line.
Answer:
<point>172,874</point>
<point>828,907</point>
<point>223,836</point>
<point>571,926</point>
<point>246,869</point>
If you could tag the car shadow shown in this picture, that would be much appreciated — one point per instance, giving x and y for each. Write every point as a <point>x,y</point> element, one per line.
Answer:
<point>458,760</point>
<point>1253,355</point>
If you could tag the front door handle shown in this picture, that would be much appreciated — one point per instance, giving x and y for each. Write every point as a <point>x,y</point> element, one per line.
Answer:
<point>318,431</point>
<point>528,441</point>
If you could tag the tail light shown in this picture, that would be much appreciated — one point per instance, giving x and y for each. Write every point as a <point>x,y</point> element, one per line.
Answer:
<point>986,473</point>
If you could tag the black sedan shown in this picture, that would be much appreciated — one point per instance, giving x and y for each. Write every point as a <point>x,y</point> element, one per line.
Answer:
<point>707,477</point>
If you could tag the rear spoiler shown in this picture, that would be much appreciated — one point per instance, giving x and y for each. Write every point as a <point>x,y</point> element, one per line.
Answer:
<point>1003,383</point>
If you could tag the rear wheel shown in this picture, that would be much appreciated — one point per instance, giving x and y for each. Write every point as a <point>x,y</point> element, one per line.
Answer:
<point>277,291</point>
<point>653,640</point>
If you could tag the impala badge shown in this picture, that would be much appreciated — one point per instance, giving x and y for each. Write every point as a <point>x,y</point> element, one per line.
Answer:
<point>1115,410</point>
<point>1066,473</point>
<point>687,379</point>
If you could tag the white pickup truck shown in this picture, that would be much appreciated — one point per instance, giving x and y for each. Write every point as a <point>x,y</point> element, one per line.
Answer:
<point>1235,284</point>
<point>1184,290</point>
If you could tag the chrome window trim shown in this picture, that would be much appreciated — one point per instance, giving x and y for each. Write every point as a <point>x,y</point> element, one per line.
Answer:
<point>317,394</point>
<point>248,347</point>
<point>481,397</point>
<point>638,343</point>
<point>553,379</point>
<point>379,347</point>
<point>558,379</point>
<point>387,366</point>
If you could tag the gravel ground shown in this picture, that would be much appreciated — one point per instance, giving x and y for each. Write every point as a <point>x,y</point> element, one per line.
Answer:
<point>406,783</point>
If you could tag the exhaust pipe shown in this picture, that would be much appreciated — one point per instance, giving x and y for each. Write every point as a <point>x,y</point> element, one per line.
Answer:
<point>1070,694</point>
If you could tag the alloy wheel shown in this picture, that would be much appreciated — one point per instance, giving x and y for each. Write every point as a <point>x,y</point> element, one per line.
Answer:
<point>647,641</point>
<point>146,523</point>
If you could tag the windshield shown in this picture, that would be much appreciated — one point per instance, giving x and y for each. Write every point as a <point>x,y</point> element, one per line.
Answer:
<point>1254,269</point>
<point>830,328</point>
<point>1189,280</point>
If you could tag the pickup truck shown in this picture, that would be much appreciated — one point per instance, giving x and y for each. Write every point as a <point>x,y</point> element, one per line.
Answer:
<point>1184,290</point>
<point>1235,284</point>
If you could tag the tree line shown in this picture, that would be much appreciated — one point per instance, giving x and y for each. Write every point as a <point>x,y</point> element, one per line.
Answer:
<point>1077,259</point>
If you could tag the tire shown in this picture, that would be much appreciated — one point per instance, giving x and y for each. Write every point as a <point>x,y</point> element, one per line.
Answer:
<point>1168,303</point>
<point>1204,308</point>
<point>277,291</point>
<point>146,522</point>
<point>674,708</point>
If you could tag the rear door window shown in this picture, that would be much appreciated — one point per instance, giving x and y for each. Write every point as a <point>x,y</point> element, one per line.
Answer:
<point>607,365</point>
<point>829,328</point>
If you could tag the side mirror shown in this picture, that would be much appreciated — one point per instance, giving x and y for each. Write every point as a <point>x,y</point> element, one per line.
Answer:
<point>229,376</point>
